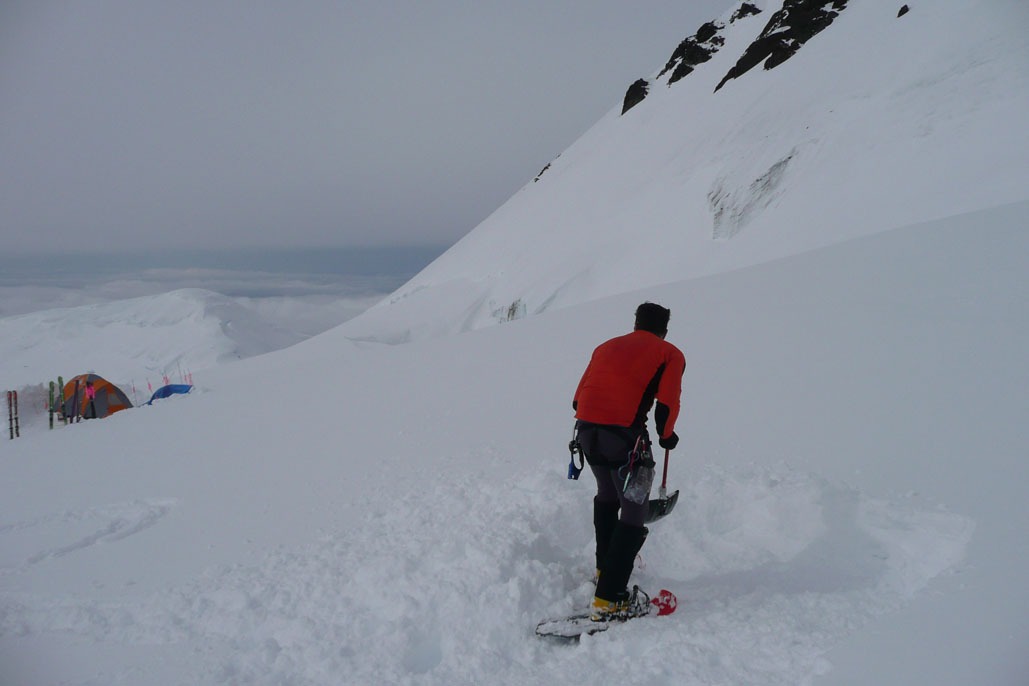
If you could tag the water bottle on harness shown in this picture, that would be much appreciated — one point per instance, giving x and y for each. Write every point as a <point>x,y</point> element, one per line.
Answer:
<point>637,474</point>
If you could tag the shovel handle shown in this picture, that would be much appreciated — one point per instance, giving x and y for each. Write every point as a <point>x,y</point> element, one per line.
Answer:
<point>664,476</point>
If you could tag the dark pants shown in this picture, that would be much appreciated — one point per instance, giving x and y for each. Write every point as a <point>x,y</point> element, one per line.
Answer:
<point>609,492</point>
<point>607,449</point>
<point>618,522</point>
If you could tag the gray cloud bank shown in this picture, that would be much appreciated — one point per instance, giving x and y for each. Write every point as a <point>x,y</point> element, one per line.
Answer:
<point>358,276</point>
<point>134,124</point>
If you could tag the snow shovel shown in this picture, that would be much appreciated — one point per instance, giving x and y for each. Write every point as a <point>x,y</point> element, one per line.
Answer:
<point>664,503</point>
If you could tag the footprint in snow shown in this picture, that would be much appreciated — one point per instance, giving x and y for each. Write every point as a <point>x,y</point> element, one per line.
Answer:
<point>85,527</point>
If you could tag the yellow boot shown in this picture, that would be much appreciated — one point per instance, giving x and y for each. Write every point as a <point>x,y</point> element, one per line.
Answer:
<point>602,610</point>
<point>632,604</point>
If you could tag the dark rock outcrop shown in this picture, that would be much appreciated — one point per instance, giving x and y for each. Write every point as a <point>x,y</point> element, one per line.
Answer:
<point>545,168</point>
<point>787,30</point>
<point>745,10</point>
<point>695,50</point>
<point>635,95</point>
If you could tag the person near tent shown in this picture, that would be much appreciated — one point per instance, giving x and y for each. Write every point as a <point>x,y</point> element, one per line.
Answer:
<point>624,378</point>
<point>89,411</point>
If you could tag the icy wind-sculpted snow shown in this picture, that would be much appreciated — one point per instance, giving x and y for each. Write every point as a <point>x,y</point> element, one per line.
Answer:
<point>732,206</point>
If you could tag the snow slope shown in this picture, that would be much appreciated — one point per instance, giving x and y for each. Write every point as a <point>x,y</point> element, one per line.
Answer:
<point>877,122</point>
<point>852,471</point>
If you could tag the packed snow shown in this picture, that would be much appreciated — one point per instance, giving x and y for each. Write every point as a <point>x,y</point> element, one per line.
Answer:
<point>350,510</point>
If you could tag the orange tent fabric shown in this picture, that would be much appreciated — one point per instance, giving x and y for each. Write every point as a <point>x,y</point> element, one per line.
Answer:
<point>109,398</point>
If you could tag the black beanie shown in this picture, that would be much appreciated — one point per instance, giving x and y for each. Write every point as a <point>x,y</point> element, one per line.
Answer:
<point>653,318</point>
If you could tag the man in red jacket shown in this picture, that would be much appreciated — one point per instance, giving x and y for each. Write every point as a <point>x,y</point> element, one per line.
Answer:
<point>624,378</point>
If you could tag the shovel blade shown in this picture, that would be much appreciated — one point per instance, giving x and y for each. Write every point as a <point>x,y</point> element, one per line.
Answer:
<point>659,507</point>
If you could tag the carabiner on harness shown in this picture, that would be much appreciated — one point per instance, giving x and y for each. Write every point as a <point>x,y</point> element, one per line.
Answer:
<point>575,447</point>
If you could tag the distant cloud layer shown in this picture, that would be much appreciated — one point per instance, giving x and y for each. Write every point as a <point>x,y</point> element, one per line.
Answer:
<point>138,125</point>
<point>358,275</point>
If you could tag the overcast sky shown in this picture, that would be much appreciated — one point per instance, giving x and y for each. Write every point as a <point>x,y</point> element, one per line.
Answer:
<point>133,125</point>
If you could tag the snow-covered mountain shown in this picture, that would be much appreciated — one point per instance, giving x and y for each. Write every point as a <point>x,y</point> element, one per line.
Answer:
<point>127,339</point>
<point>876,121</point>
<point>842,241</point>
<point>136,339</point>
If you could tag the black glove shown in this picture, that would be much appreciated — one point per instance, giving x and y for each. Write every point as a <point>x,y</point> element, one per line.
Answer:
<point>670,442</point>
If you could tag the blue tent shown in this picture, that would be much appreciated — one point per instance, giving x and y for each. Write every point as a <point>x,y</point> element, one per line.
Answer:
<point>170,389</point>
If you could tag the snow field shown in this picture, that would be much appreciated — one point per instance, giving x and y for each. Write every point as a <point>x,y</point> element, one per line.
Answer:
<point>349,510</point>
<point>443,584</point>
<point>412,522</point>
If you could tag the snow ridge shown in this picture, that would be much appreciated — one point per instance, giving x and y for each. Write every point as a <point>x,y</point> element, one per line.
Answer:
<point>877,122</point>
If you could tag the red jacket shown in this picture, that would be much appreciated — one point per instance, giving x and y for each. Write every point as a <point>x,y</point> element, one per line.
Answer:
<point>624,377</point>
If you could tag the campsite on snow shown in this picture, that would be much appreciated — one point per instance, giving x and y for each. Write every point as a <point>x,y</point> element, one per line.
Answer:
<point>832,198</point>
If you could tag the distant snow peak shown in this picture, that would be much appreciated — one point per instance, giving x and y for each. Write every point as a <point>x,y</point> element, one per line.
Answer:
<point>796,23</point>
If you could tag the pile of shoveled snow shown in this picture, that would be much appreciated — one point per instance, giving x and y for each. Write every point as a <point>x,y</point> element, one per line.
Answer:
<point>773,568</point>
